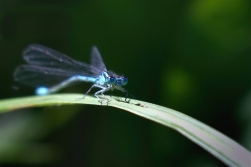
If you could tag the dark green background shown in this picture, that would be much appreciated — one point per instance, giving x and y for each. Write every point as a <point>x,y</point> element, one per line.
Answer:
<point>191,56</point>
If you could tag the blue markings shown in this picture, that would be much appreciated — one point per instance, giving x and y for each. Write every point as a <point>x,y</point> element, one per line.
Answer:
<point>42,91</point>
<point>56,71</point>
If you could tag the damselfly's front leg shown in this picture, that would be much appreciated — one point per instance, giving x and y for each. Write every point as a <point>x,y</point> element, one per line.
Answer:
<point>124,90</point>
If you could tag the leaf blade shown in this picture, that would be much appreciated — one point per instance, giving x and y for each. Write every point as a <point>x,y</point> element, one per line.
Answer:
<point>216,143</point>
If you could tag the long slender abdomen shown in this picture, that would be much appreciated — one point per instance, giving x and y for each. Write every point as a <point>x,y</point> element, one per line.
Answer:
<point>42,90</point>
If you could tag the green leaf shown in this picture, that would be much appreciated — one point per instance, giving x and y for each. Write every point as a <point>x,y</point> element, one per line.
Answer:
<point>216,143</point>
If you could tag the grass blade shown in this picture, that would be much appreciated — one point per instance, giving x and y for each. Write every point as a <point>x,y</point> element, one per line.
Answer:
<point>219,145</point>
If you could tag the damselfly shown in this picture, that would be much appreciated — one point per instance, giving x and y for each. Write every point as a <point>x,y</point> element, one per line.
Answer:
<point>50,71</point>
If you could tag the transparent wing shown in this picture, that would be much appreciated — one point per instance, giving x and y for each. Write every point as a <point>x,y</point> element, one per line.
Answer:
<point>48,67</point>
<point>96,59</point>
<point>39,55</point>
<point>39,76</point>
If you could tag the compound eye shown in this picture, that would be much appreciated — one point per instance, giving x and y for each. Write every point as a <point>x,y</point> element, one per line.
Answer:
<point>118,82</point>
<point>125,80</point>
<point>111,79</point>
<point>121,81</point>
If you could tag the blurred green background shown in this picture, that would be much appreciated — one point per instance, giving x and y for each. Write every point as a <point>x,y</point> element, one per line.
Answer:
<point>191,56</point>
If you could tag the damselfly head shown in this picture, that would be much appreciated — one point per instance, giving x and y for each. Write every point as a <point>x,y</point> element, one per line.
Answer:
<point>109,79</point>
<point>121,81</point>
